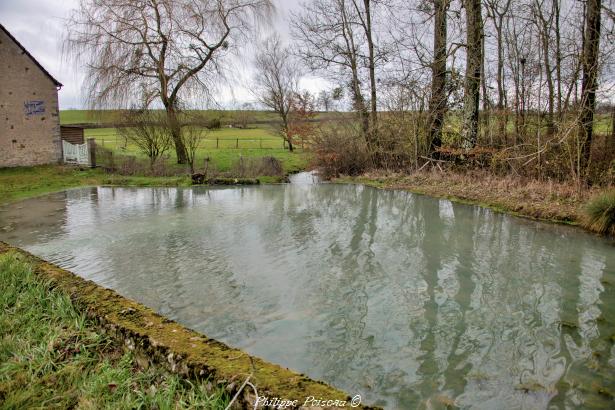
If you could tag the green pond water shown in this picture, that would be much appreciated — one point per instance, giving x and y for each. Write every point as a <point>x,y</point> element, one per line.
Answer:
<point>409,301</point>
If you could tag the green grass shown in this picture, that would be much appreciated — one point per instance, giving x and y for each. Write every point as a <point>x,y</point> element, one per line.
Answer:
<point>225,116</point>
<point>224,138</point>
<point>222,158</point>
<point>112,116</point>
<point>26,182</point>
<point>53,356</point>
<point>600,213</point>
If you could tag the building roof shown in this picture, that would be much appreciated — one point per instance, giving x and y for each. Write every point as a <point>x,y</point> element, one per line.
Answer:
<point>24,51</point>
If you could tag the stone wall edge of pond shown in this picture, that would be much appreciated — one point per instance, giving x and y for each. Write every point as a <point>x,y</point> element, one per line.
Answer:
<point>159,341</point>
<point>201,179</point>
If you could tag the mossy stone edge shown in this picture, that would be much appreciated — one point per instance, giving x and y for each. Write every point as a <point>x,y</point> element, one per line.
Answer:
<point>159,341</point>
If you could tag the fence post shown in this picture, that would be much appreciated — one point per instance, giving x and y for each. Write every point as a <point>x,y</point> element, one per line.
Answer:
<point>216,142</point>
<point>92,151</point>
<point>237,143</point>
<point>261,143</point>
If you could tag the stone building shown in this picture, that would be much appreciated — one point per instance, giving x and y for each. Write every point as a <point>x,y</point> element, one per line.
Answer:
<point>29,112</point>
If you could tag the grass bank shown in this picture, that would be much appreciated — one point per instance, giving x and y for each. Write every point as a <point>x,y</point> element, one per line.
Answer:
<point>52,356</point>
<point>154,341</point>
<point>543,200</point>
<point>27,182</point>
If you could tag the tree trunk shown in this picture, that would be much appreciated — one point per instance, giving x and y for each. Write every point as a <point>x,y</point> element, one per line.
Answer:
<point>473,74</point>
<point>502,117</point>
<point>176,134</point>
<point>550,87</point>
<point>360,107</point>
<point>558,57</point>
<point>437,103</point>
<point>355,83</point>
<point>486,115</point>
<point>590,80</point>
<point>372,73</point>
<point>544,29</point>
<point>285,131</point>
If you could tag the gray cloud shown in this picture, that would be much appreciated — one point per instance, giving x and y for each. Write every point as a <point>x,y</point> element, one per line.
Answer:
<point>40,25</point>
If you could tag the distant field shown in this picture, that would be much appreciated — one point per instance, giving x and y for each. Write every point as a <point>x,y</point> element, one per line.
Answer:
<point>114,116</point>
<point>229,138</point>
<point>224,147</point>
<point>226,116</point>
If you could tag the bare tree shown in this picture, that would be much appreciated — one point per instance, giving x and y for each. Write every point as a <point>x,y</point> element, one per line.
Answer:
<point>244,116</point>
<point>544,24</point>
<point>328,37</point>
<point>474,58</point>
<point>192,137</point>
<point>161,50</point>
<point>148,131</point>
<point>520,57</point>
<point>364,18</point>
<point>277,80</point>
<point>590,78</point>
<point>302,112</point>
<point>325,100</point>
<point>497,10</point>
<point>437,102</point>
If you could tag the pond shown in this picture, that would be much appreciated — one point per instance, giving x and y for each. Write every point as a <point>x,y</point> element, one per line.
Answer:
<point>407,300</point>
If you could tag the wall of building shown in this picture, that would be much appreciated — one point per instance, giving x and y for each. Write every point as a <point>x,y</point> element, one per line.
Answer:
<point>29,113</point>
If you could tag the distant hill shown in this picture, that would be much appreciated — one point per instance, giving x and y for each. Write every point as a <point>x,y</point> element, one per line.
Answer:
<point>108,118</point>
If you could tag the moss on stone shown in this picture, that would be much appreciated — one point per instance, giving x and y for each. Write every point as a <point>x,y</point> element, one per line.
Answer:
<point>163,342</point>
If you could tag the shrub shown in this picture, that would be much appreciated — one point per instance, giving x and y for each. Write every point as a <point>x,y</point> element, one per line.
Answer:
<point>340,149</point>
<point>600,213</point>
<point>149,131</point>
<point>213,124</point>
<point>254,167</point>
<point>401,141</point>
<point>105,159</point>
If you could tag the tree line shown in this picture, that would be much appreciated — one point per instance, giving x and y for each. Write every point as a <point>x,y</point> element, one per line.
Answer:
<point>493,73</point>
<point>422,76</point>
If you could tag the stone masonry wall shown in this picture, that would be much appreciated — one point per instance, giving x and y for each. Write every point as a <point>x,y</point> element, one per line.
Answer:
<point>29,113</point>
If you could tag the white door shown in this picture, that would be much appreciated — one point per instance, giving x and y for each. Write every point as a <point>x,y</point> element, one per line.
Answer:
<point>75,153</point>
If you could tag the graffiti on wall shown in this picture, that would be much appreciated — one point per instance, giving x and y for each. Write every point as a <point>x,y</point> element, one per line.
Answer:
<point>34,107</point>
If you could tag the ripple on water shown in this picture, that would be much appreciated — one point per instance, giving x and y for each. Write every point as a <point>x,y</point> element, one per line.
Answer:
<point>406,300</point>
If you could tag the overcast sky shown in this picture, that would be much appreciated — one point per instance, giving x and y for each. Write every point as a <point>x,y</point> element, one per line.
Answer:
<point>39,26</point>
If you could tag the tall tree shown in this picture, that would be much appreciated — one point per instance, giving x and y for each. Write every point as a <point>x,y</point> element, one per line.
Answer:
<point>162,50</point>
<point>589,83</point>
<point>474,55</point>
<point>544,23</point>
<point>437,102</point>
<point>335,38</point>
<point>277,81</point>
<point>496,12</point>
<point>365,19</point>
<point>325,100</point>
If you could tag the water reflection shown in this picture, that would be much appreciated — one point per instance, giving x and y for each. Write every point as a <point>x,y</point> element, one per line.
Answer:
<point>410,301</point>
